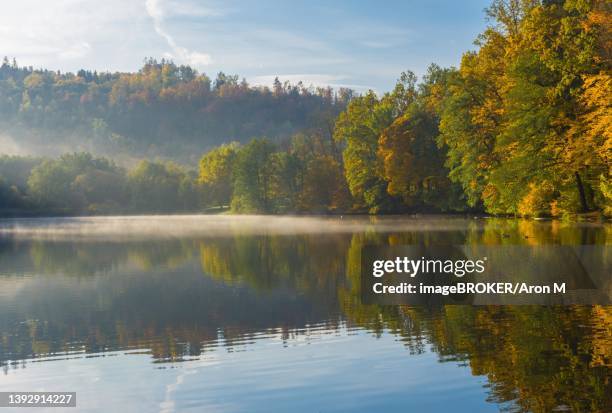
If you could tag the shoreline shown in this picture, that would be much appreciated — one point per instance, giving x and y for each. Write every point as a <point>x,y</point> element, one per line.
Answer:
<point>591,217</point>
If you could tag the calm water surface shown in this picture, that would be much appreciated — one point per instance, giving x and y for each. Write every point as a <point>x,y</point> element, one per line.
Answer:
<point>233,314</point>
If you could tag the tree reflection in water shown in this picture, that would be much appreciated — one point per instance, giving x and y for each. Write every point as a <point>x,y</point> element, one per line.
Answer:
<point>180,297</point>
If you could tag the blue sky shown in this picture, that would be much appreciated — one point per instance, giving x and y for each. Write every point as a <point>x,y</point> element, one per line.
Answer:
<point>359,44</point>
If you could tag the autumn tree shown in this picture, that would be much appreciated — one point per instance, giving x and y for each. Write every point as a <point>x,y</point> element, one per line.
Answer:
<point>412,161</point>
<point>523,121</point>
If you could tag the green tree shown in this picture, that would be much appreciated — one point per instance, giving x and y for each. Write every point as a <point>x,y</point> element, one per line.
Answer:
<point>471,117</point>
<point>358,129</point>
<point>284,171</point>
<point>215,175</point>
<point>76,183</point>
<point>10,197</point>
<point>324,188</point>
<point>252,177</point>
<point>16,169</point>
<point>161,187</point>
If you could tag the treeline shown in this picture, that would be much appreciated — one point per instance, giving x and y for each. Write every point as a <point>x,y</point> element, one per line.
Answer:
<point>163,110</point>
<point>302,175</point>
<point>79,183</point>
<point>526,118</point>
<point>382,158</point>
<point>522,127</point>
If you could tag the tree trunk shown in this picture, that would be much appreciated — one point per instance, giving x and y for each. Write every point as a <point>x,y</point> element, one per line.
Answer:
<point>583,202</point>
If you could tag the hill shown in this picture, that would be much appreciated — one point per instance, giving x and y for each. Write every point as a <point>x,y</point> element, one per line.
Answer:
<point>164,110</point>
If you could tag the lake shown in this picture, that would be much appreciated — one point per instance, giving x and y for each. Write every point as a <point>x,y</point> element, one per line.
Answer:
<point>259,314</point>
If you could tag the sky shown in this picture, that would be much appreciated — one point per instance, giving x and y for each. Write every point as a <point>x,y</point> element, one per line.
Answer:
<point>358,44</point>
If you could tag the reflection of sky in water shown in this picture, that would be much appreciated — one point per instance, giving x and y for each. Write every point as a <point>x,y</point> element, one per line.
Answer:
<point>328,371</point>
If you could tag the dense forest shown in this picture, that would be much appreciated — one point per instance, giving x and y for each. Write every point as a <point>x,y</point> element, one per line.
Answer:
<point>522,127</point>
<point>163,110</point>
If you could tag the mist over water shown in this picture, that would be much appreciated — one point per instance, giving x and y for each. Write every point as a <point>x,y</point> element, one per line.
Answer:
<point>165,226</point>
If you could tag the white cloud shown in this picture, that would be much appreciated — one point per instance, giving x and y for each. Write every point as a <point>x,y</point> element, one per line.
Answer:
<point>158,13</point>
<point>51,33</point>
<point>116,35</point>
<point>109,35</point>
<point>183,8</point>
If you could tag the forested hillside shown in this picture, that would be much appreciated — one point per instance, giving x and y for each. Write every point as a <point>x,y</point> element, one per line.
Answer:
<point>522,127</point>
<point>163,110</point>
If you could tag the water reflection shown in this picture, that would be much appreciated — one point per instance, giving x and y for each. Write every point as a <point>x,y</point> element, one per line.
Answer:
<point>87,288</point>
